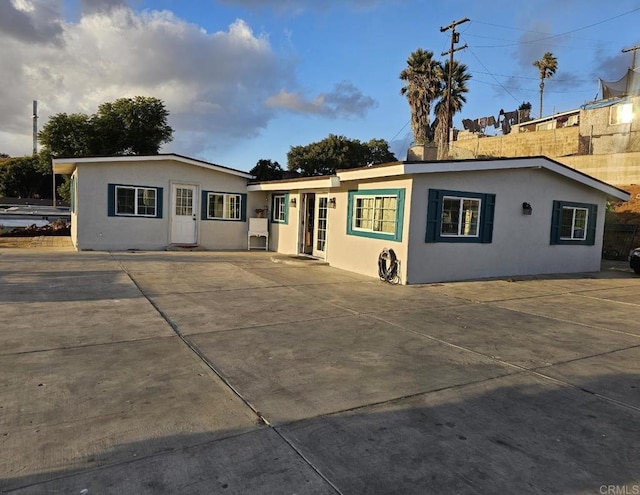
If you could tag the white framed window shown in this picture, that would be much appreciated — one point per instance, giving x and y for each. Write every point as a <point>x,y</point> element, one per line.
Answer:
<point>621,114</point>
<point>279,208</point>
<point>460,217</point>
<point>375,213</point>
<point>135,201</point>
<point>222,206</point>
<point>573,223</point>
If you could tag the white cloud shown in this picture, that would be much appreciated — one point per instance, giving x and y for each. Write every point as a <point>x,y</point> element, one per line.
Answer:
<point>213,84</point>
<point>344,101</point>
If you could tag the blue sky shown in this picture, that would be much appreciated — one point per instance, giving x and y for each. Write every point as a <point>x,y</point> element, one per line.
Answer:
<point>247,79</point>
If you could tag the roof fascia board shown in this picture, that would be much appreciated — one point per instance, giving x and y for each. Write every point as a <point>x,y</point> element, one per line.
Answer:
<point>295,184</point>
<point>145,158</point>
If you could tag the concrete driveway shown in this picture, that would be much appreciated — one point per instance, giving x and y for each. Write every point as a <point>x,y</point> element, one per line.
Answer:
<point>230,373</point>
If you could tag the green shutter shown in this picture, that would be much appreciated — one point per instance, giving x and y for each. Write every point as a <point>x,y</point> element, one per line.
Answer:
<point>434,214</point>
<point>591,226</point>
<point>204,205</point>
<point>556,220</point>
<point>160,204</point>
<point>486,218</point>
<point>111,200</point>
<point>243,207</point>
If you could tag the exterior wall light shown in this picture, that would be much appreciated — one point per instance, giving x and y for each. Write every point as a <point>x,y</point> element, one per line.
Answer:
<point>332,202</point>
<point>292,202</point>
<point>526,209</point>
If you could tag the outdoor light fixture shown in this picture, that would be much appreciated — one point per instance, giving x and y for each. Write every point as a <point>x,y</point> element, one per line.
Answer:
<point>332,202</point>
<point>526,209</point>
<point>292,202</point>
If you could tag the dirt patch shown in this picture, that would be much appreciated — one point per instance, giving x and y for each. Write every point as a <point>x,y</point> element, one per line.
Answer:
<point>629,211</point>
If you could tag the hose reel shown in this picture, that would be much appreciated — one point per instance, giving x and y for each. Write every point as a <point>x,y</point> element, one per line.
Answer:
<point>388,266</point>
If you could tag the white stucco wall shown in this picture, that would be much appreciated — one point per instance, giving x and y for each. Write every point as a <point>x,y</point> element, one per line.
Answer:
<point>96,230</point>
<point>521,243</point>
<point>360,254</point>
<point>283,237</point>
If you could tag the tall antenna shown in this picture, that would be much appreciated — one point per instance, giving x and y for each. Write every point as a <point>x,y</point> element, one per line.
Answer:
<point>34,117</point>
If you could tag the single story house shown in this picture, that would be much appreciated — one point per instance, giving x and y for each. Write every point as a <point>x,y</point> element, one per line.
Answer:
<point>445,220</point>
<point>151,202</point>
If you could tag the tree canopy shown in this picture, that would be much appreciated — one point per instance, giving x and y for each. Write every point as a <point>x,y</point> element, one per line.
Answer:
<point>547,67</point>
<point>423,76</point>
<point>24,177</point>
<point>427,85</point>
<point>127,126</point>
<point>337,152</point>
<point>267,170</point>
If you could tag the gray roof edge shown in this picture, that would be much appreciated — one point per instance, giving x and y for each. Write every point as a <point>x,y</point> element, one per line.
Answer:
<point>159,156</point>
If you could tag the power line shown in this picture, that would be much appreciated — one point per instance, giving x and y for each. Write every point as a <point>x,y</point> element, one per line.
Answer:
<point>566,32</point>
<point>529,90</point>
<point>494,77</point>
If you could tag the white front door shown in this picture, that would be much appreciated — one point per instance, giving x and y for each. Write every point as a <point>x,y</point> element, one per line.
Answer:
<point>320,226</point>
<point>184,217</point>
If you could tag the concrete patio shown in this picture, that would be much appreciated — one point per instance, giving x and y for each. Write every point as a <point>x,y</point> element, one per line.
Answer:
<point>227,372</point>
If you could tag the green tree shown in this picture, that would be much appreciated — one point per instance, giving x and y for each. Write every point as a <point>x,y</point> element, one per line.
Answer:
<point>459,78</point>
<point>127,126</point>
<point>67,135</point>
<point>337,152</point>
<point>267,170</point>
<point>24,177</point>
<point>131,126</point>
<point>423,78</point>
<point>547,65</point>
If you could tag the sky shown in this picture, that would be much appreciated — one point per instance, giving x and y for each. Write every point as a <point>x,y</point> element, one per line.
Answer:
<point>245,80</point>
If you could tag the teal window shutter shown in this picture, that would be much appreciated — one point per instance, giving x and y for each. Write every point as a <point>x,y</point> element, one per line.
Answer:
<point>204,205</point>
<point>434,215</point>
<point>435,200</point>
<point>243,207</point>
<point>556,217</point>
<point>591,225</point>
<point>556,223</point>
<point>111,200</point>
<point>486,218</point>
<point>159,202</point>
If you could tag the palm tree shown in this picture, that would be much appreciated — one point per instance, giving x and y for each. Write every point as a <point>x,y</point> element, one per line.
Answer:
<point>459,79</point>
<point>423,76</point>
<point>547,66</point>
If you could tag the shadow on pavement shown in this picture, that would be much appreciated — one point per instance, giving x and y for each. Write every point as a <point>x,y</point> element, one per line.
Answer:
<point>530,436</point>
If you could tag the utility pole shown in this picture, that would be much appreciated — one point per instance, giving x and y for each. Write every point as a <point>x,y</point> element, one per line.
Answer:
<point>455,38</point>
<point>632,49</point>
<point>34,116</point>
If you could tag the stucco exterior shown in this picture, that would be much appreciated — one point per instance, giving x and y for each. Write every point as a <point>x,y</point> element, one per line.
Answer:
<point>520,244</point>
<point>93,228</point>
<point>508,240</point>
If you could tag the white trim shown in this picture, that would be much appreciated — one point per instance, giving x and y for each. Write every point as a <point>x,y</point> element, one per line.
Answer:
<point>135,201</point>
<point>408,168</point>
<point>322,183</point>
<point>68,165</point>
<point>573,223</point>
<point>460,200</point>
<point>225,209</point>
